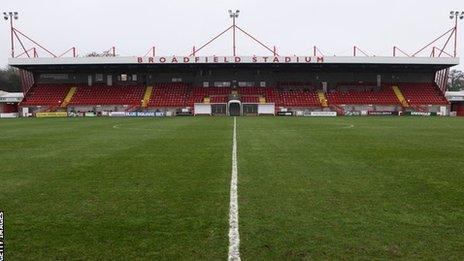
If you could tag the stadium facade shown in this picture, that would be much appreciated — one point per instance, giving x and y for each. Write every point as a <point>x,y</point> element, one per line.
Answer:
<point>227,85</point>
<point>235,85</point>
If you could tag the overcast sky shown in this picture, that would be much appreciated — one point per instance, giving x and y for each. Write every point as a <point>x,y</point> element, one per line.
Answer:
<point>174,26</point>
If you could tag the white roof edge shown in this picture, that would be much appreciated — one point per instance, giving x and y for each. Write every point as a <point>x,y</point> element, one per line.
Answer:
<point>454,93</point>
<point>451,61</point>
<point>5,94</point>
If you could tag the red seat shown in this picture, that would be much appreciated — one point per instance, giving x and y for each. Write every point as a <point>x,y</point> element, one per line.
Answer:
<point>108,95</point>
<point>171,95</point>
<point>358,95</point>
<point>422,94</point>
<point>45,95</point>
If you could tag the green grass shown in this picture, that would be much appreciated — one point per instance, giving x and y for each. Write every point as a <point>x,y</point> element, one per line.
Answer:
<point>309,188</point>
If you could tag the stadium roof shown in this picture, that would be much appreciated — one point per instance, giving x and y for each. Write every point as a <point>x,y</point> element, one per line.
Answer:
<point>377,63</point>
<point>445,61</point>
<point>10,96</point>
<point>455,96</point>
<point>439,58</point>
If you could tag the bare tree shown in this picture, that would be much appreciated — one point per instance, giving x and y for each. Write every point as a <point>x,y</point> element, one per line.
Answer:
<point>456,80</point>
<point>99,54</point>
<point>9,80</point>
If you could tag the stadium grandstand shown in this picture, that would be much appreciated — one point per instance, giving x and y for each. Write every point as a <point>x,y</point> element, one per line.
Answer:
<point>236,85</point>
<point>371,84</point>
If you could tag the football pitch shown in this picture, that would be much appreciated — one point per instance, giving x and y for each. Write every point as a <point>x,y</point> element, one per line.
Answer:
<point>159,188</point>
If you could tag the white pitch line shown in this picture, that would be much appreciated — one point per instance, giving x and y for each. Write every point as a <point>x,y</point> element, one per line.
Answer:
<point>234,236</point>
<point>348,127</point>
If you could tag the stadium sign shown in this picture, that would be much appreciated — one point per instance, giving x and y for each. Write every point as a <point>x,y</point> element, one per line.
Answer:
<point>145,114</point>
<point>422,113</point>
<point>322,114</point>
<point>230,59</point>
<point>11,99</point>
<point>120,60</point>
<point>382,113</point>
<point>51,114</point>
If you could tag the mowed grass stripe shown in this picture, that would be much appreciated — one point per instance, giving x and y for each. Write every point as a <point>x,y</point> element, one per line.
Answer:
<point>386,188</point>
<point>78,188</point>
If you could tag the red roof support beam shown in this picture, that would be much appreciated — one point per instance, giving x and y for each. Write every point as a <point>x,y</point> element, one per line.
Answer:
<point>395,48</point>
<point>210,41</point>
<point>436,39</point>
<point>317,50</point>
<point>22,45</point>
<point>356,48</point>
<point>446,43</point>
<point>152,50</point>
<point>256,40</point>
<point>28,50</point>
<point>28,38</point>
<point>442,51</point>
<point>67,51</point>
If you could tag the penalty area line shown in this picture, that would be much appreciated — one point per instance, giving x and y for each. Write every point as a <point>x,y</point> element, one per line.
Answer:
<point>234,236</point>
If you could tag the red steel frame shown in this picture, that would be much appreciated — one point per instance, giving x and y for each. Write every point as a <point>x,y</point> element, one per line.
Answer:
<point>317,50</point>
<point>401,51</point>
<point>450,33</point>
<point>355,48</point>
<point>440,78</point>
<point>15,33</point>
<point>234,27</point>
<point>152,50</point>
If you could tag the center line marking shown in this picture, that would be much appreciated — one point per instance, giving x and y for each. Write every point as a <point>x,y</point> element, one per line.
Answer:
<point>234,236</point>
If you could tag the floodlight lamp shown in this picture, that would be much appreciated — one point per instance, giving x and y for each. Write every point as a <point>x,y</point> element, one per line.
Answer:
<point>16,15</point>
<point>230,11</point>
